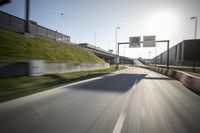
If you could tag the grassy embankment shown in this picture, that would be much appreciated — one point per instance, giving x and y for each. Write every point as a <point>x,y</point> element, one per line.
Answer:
<point>16,47</point>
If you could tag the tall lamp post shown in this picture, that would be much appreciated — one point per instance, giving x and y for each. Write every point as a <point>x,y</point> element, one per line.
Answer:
<point>117,47</point>
<point>149,52</point>
<point>195,28</point>
<point>62,23</point>
<point>27,12</point>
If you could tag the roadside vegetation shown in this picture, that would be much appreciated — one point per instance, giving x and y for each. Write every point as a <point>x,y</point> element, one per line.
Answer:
<point>11,88</point>
<point>18,47</point>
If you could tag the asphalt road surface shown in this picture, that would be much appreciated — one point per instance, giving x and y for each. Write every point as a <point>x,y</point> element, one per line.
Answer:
<point>133,100</point>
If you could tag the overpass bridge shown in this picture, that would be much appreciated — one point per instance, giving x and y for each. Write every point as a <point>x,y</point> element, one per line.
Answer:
<point>107,56</point>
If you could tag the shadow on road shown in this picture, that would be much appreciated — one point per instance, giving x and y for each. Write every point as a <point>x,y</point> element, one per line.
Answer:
<point>115,83</point>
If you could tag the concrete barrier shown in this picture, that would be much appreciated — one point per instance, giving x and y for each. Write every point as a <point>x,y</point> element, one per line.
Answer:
<point>39,68</point>
<point>190,81</point>
<point>51,68</point>
<point>36,68</point>
<point>14,69</point>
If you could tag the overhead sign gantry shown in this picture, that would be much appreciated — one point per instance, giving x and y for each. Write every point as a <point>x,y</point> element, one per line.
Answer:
<point>148,41</point>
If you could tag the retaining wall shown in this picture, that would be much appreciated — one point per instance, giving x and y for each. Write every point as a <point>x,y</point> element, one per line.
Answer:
<point>39,68</point>
<point>64,68</point>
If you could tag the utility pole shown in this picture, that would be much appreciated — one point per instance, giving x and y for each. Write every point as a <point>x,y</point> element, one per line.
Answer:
<point>27,12</point>
<point>62,25</point>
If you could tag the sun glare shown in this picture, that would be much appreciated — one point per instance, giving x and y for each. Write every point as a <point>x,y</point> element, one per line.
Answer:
<point>161,22</point>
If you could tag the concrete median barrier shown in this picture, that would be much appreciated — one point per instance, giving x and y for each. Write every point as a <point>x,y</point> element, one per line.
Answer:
<point>190,81</point>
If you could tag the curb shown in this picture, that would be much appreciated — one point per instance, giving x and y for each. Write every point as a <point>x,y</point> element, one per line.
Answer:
<point>190,81</point>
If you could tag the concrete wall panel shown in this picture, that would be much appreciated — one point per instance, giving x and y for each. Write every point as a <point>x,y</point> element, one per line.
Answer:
<point>4,19</point>
<point>17,24</point>
<point>39,67</point>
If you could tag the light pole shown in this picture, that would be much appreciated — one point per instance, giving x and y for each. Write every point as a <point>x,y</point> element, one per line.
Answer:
<point>195,28</point>
<point>27,13</point>
<point>149,52</point>
<point>62,23</point>
<point>117,47</point>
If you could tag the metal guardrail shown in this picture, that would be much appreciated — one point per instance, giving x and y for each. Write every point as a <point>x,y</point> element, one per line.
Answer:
<point>10,22</point>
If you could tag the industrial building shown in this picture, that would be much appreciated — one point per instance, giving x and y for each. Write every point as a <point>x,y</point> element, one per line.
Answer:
<point>185,53</point>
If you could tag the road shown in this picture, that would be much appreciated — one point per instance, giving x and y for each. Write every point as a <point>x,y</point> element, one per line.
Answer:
<point>138,63</point>
<point>133,100</point>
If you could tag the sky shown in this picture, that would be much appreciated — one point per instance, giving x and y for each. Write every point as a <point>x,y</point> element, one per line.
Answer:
<point>82,19</point>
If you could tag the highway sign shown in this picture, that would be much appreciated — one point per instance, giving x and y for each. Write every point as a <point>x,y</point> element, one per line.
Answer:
<point>149,41</point>
<point>134,41</point>
<point>110,51</point>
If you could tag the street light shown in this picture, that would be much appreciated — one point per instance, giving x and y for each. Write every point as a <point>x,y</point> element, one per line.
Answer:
<point>117,47</point>
<point>195,28</point>
<point>27,13</point>
<point>62,23</point>
<point>149,52</point>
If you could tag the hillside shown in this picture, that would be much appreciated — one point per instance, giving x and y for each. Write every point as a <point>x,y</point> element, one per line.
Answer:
<point>18,47</point>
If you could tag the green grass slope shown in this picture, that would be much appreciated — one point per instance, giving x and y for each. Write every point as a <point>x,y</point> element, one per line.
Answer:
<point>17,47</point>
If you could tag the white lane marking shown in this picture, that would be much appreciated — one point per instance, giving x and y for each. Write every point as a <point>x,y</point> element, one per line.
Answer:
<point>120,121</point>
<point>133,87</point>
